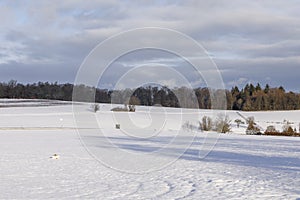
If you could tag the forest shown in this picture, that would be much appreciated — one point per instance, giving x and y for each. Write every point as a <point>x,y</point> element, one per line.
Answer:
<point>249,98</point>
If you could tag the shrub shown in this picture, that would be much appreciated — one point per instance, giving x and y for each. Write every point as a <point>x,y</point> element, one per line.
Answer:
<point>282,134</point>
<point>222,124</point>
<point>206,124</point>
<point>250,121</point>
<point>288,131</point>
<point>287,128</point>
<point>271,129</point>
<point>252,129</point>
<point>95,107</point>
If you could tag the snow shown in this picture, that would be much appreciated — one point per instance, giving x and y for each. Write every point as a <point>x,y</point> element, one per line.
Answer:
<point>238,167</point>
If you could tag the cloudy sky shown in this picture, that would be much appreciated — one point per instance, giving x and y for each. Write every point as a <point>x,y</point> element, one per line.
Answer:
<point>250,41</point>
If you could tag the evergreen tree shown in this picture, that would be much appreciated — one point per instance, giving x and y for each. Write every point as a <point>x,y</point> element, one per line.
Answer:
<point>258,88</point>
<point>267,88</point>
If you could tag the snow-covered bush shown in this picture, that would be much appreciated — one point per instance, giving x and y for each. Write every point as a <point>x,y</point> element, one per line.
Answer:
<point>271,129</point>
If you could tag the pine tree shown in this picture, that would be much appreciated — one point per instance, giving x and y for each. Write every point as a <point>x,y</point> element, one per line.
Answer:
<point>258,88</point>
<point>267,88</point>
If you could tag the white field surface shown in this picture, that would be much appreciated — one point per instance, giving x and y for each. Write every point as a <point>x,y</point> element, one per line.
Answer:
<point>238,167</point>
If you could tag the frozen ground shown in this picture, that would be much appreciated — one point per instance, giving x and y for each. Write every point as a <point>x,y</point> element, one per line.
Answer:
<point>238,167</point>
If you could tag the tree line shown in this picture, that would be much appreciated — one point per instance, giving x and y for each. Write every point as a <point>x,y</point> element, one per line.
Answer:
<point>256,98</point>
<point>248,98</point>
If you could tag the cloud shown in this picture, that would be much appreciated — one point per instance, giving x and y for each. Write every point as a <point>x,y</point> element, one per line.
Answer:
<point>247,39</point>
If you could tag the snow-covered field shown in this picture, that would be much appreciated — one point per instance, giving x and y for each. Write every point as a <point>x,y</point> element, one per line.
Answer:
<point>238,167</point>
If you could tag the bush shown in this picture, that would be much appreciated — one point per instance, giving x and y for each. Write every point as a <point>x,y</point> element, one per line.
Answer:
<point>206,124</point>
<point>252,129</point>
<point>95,107</point>
<point>287,130</point>
<point>271,129</point>
<point>222,124</point>
<point>282,134</point>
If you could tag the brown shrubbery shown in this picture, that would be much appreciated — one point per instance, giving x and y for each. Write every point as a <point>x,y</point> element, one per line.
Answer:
<point>282,134</point>
<point>287,130</point>
<point>221,124</point>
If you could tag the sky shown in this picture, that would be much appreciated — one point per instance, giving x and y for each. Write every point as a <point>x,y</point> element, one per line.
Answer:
<point>250,41</point>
